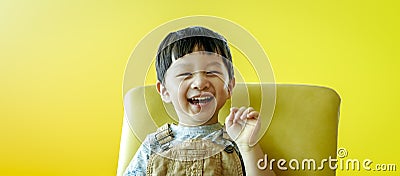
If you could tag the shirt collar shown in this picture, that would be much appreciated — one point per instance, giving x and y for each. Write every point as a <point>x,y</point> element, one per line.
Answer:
<point>197,129</point>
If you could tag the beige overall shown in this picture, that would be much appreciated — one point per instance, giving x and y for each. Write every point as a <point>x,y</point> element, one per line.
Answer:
<point>192,157</point>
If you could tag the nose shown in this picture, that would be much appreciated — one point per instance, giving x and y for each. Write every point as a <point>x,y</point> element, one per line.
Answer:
<point>200,81</point>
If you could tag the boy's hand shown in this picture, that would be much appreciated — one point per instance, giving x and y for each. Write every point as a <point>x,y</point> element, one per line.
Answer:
<point>242,125</point>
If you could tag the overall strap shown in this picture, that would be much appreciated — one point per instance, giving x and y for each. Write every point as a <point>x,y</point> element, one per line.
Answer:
<point>163,136</point>
<point>225,134</point>
<point>230,147</point>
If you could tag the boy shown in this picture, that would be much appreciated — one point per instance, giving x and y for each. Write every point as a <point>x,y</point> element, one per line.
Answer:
<point>195,74</point>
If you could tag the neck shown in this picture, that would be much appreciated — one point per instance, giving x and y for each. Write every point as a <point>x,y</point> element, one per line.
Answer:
<point>212,120</point>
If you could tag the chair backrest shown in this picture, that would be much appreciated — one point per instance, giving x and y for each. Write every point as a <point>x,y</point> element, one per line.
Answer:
<point>304,123</point>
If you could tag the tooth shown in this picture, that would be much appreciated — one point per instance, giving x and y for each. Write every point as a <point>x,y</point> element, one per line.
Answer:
<point>200,98</point>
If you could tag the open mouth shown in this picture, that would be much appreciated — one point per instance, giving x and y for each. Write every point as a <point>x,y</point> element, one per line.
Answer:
<point>200,100</point>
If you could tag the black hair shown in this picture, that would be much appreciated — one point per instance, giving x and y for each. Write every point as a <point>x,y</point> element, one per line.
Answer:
<point>185,41</point>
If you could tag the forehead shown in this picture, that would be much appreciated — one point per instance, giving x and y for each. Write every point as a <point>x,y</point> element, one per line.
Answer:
<point>199,60</point>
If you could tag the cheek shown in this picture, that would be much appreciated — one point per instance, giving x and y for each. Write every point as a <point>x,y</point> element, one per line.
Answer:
<point>173,84</point>
<point>224,94</point>
<point>221,84</point>
<point>180,88</point>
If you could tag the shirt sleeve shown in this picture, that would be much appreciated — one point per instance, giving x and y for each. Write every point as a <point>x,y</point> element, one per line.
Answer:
<point>138,164</point>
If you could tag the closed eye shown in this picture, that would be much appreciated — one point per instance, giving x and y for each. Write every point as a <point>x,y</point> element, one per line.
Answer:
<point>213,73</point>
<point>184,75</point>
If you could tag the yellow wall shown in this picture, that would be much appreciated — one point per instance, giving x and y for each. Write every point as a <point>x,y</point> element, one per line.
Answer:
<point>62,65</point>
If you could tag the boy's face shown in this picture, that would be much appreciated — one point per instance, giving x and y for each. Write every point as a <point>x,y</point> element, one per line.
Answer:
<point>197,85</point>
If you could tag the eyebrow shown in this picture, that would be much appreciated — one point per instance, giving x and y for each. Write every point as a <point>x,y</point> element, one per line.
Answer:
<point>208,65</point>
<point>213,63</point>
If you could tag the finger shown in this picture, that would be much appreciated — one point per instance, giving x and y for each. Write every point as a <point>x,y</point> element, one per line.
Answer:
<point>250,109</point>
<point>232,113</point>
<point>229,119</point>
<point>244,114</point>
<point>234,109</point>
<point>238,114</point>
<point>253,114</point>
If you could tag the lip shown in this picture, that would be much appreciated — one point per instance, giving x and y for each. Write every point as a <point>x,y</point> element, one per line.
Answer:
<point>202,94</point>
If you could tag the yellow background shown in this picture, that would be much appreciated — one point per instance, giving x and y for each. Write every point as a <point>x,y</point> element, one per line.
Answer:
<point>62,66</point>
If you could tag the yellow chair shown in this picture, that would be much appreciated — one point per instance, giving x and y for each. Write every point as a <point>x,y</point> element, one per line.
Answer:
<point>304,124</point>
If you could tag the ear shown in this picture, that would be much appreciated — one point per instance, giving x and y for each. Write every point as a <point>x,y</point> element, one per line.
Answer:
<point>231,85</point>
<point>163,92</point>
